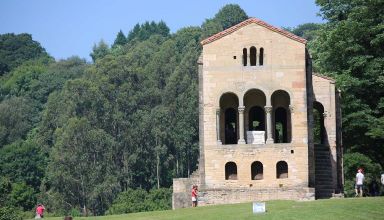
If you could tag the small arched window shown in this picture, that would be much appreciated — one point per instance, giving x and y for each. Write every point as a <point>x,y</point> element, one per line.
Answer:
<point>253,56</point>
<point>230,171</point>
<point>245,57</point>
<point>257,170</point>
<point>261,57</point>
<point>281,170</point>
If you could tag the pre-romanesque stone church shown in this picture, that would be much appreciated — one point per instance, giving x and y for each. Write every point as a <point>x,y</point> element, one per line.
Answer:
<point>269,127</point>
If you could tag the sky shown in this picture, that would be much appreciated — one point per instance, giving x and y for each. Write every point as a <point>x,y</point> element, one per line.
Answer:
<point>71,27</point>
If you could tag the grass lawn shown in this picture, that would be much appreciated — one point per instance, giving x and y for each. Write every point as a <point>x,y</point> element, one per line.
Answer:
<point>351,208</point>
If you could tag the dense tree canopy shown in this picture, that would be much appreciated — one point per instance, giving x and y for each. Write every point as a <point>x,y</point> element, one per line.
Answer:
<point>350,49</point>
<point>98,136</point>
<point>15,49</point>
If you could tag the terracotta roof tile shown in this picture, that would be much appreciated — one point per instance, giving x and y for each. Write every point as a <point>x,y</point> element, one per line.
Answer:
<point>252,21</point>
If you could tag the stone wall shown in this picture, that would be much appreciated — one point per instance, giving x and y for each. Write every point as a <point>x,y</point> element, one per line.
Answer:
<point>181,197</point>
<point>239,195</point>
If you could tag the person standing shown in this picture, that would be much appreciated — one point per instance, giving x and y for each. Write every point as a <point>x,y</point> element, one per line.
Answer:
<point>40,211</point>
<point>359,182</point>
<point>194,196</point>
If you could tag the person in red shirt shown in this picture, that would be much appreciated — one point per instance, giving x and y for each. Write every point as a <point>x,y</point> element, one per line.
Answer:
<point>40,211</point>
<point>194,196</point>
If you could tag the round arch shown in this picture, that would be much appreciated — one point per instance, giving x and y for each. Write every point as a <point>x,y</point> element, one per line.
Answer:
<point>280,100</point>
<point>254,113</point>
<point>319,132</point>
<point>230,171</point>
<point>229,103</point>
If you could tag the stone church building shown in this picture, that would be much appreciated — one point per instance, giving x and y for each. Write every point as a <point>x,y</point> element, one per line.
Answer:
<point>269,127</point>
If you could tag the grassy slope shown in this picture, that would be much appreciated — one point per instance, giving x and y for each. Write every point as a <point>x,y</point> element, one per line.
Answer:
<point>357,208</point>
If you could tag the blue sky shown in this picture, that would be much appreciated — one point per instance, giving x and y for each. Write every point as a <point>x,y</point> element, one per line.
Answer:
<point>72,27</point>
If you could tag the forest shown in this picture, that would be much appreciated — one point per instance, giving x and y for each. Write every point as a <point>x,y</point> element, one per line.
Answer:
<point>108,136</point>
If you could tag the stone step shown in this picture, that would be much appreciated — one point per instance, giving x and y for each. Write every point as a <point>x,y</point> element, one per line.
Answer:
<point>324,186</point>
<point>322,163</point>
<point>323,160</point>
<point>323,170</point>
<point>323,177</point>
<point>323,182</point>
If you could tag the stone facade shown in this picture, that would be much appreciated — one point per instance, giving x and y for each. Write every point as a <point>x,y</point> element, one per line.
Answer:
<point>255,79</point>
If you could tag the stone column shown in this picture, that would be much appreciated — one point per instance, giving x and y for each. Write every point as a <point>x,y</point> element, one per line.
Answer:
<point>241,125</point>
<point>268,110</point>
<point>218,126</point>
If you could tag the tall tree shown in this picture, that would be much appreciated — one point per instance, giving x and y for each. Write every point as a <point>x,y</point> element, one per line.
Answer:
<point>120,39</point>
<point>228,16</point>
<point>99,51</point>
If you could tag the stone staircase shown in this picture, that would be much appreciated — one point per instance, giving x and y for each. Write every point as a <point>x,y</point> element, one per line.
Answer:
<point>323,172</point>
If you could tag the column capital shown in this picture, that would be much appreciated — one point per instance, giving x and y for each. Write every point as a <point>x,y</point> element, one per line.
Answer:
<point>268,109</point>
<point>218,110</point>
<point>241,109</point>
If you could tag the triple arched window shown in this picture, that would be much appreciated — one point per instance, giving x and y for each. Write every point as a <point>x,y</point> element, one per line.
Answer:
<point>257,170</point>
<point>253,56</point>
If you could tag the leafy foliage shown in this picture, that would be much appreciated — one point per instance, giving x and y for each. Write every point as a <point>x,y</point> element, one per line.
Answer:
<point>347,48</point>
<point>140,200</point>
<point>228,16</point>
<point>110,136</point>
<point>120,39</point>
<point>16,49</point>
<point>9,213</point>
<point>353,161</point>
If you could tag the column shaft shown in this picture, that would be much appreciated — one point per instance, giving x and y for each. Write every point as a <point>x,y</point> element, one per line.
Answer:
<point>218,126</point>
<point>241,125</point>
<point>268,111</point>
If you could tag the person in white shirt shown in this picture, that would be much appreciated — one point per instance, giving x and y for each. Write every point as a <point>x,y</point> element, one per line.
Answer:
<point>359,183</point>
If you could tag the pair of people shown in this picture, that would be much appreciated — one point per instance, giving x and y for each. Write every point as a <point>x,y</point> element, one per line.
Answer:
<point>194,196</point>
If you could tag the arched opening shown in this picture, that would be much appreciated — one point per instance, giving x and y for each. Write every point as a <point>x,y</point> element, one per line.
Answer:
<point>256,120</point>
<point>281,125</point>
<point>261,57</point>
<point>230,171</point>
<point>281,170</point>
<point>229,104</point>
<point>245,57</point>
<point>318,123</point>
<point>257,170</point>
<point>281,117</point>
<point>253,56</point>
<point>254,116</point>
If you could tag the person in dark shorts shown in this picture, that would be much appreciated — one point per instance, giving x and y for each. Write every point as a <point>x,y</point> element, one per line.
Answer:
<point>359,182</point>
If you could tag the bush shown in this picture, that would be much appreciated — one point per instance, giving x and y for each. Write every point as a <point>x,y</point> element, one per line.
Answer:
<point>9,213</point>
<point>353,161</point>
<point>140,200</point>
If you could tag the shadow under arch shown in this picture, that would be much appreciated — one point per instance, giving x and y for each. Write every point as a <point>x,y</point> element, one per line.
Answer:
<point>254,113</point>
<point>319,131</point>
<point>229,103</point>
<point>231,171</point>
<point>282,124</point>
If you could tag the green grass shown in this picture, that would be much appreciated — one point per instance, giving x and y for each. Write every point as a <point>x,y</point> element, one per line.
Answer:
<point>353,208</point>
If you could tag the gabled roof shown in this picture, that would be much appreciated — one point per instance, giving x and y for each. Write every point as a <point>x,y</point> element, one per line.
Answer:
<point>252,21</point>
